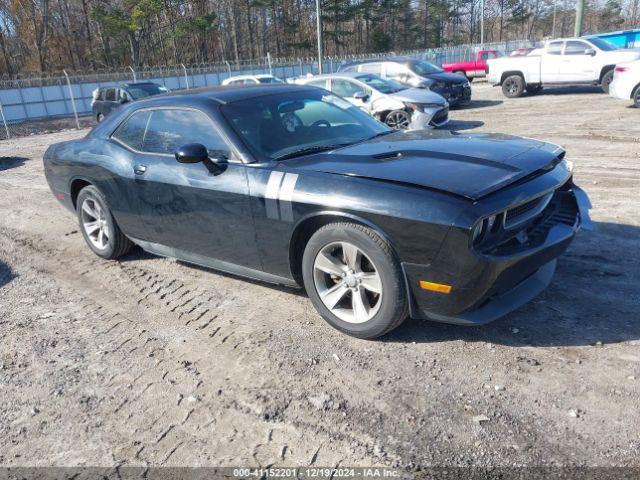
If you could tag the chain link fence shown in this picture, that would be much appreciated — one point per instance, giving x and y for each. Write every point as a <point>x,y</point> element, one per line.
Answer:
<point>34,105</point>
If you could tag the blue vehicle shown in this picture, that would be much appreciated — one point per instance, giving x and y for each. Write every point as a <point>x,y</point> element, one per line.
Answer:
<point>621,39</point>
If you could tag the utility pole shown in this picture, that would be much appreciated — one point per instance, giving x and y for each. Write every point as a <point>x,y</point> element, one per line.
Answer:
<point>553,25</point>
<point>579,14</point>
<point>319,33</point>
<point>481,22</point>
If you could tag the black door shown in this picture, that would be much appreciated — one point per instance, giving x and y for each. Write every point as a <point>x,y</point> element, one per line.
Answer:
<point>186,207</point>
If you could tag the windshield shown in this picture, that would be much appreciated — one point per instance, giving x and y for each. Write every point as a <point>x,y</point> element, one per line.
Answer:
<point>269,80</point>
<point>424,68</point>
<point>141,91</point>
<point>292,123</point>
<point>380,84</point>
<point>603,45</point>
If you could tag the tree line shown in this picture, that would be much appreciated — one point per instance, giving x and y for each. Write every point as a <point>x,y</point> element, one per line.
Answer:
<point>45,36</point>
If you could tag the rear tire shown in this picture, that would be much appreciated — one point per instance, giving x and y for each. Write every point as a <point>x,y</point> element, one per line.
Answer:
<point>513,86</point>
<point>99,117</point>
<point>354,280</point>
<point>98,227</point>
<point>607,78</point>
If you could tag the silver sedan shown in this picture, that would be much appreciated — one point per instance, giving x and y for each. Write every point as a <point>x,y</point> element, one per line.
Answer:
<point>391,102</point>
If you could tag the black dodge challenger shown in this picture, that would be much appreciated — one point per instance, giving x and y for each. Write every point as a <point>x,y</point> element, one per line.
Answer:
<point>294,186</point>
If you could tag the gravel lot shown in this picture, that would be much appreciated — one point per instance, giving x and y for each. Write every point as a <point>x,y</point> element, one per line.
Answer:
<point>148,361</point>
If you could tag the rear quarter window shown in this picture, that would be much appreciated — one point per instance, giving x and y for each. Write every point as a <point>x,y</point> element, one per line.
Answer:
<point>132,131</point>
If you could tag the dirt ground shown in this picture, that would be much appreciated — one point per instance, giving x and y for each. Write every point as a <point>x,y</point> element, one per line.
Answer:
<point>148,361</point>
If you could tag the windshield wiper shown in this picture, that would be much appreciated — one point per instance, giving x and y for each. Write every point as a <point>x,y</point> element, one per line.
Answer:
<point>314,149</point>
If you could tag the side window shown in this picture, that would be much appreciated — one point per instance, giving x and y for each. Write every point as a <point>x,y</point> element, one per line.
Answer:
<point>110,95</point>
<point>131,132</point>
<point>484,56</point>
<point>375,68</point>
<point>122,95</point>
<point>555,48</point>
<point>345,88</point>
<point>169,129</point>
<point>318,83</point>
<point>575,47</point>
<point>396,71</point>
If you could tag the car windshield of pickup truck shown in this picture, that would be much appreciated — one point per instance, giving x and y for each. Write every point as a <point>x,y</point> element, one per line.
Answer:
<point>424,68</point>
<point>603,45</point>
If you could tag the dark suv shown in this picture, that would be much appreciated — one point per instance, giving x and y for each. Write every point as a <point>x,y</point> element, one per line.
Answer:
<point>418,74</point>
<point>106,99</point>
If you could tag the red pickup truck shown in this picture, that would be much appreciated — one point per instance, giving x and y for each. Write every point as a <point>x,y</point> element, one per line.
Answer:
<point>474,68</point>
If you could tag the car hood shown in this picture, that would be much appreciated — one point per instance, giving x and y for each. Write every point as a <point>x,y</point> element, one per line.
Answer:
<point>466,165</point>
<point>446,77</point>
<point>418,95</point>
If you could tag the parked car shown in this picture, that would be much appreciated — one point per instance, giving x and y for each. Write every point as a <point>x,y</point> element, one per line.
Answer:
<point>105,99</point>
<point>626,82</point>
<point>251,79</point>
<point>388,101</point>
<point>417,74</point>
<point>293,185</point>
<point>571,61</point>
<point>474,68</point>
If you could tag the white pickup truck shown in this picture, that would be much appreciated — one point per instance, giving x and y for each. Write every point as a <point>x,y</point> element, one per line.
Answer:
<point>570,61</point>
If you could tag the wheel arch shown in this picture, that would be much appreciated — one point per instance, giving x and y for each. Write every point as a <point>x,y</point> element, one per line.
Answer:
<point>508,73</point>
<point>75,186</point>
<point>605,70</point>
<point>311,223</point>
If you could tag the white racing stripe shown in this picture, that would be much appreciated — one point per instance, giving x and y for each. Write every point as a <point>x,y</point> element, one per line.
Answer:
<point>271,194</point>
<point>279,191</point>
<point>286,196</point>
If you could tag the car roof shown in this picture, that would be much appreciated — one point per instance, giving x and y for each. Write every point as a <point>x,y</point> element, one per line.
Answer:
<point>339,74</point>
<point>222,94</point>
<point>129,84</point>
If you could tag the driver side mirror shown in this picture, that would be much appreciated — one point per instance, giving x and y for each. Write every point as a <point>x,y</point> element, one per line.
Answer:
<point>590,51</point>
<point>361,96</point>
<point>192,153</point>
<point>196,152</point>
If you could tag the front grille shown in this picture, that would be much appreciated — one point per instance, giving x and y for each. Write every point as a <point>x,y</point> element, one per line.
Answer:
<point>440,116</point>
<point>523,213</point>
<point>562,208</point>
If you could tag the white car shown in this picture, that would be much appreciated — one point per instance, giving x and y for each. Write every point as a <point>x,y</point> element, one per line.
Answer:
<point>390,102</point>
<point>251,79</point>
<point>626,82</point>
<point>570,61</point>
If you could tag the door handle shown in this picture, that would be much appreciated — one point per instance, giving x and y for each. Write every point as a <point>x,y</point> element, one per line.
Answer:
<point>139,169</point>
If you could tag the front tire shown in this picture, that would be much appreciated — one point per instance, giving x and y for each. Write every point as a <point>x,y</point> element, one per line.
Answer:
<point>398,119</point>
<point>98,227</point>
<point>354,280</point>
<point>636,97</point>
<point>513,86</point>
<point>99,118</point>
<point>605,83</point>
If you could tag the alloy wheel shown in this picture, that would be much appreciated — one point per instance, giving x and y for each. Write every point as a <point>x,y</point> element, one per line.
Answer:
<point>512,88</point>
<point>348,282</point>
<point>94,223</point>
<point>398,120</point>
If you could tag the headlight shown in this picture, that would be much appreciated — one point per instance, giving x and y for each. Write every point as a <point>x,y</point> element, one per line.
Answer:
<point>420,107</point>
<point>482,227</point>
